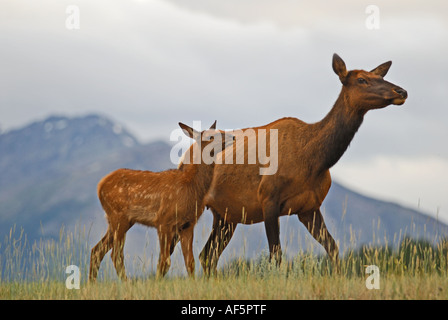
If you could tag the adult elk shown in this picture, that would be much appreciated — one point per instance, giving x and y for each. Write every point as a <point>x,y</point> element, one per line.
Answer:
<point>306,152</point>
<point>170,201</point>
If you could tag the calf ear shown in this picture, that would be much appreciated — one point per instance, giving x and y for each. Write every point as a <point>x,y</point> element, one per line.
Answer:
<point>382,69</point>
<point>213,126</point>
<point>189,131</point>
<point>339,67</point>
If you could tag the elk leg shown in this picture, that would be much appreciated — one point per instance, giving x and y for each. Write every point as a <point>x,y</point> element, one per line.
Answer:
<point>271,224</point>
<point>117,254</point>
<point>174,243</point>
<point>219,238</point>
<point>314,222</point>
<point>165,240</point>
<point>186,241</point>
<point>98,252</point>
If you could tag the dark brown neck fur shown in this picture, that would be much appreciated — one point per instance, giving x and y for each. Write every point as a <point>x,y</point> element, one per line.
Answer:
<point>335,132</point>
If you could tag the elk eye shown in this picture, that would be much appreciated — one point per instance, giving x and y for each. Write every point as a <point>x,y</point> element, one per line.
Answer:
<point>362,80</point>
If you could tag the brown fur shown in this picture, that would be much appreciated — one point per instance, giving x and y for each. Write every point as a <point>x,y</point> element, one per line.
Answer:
<point>170,201</point>
<point>306,152</point>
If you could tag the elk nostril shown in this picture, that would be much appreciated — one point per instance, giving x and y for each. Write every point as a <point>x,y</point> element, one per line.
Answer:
<point>403,93</point>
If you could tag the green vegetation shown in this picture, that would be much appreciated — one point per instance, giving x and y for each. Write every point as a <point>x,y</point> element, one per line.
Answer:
<point>416,270</point>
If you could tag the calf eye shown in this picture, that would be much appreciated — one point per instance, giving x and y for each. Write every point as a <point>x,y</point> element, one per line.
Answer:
<point>362,80</point>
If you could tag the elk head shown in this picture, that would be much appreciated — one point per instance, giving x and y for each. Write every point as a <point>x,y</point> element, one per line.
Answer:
<point>208,143</point>
<point>367,90</point>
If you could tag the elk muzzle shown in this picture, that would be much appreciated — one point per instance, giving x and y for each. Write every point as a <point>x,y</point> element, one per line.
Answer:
<point>402,95</point>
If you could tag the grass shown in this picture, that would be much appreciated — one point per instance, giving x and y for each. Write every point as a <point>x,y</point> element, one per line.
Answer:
<point>416,270</point>
<point>249,288</point>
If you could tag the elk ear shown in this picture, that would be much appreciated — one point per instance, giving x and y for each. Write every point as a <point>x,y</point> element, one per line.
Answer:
<point>189,131</point>
<point>339,67</point>
<point>382,69</point>
<point>213,126</point>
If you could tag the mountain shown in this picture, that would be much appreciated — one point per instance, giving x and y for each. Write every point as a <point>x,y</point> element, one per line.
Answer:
<point>49,171</point>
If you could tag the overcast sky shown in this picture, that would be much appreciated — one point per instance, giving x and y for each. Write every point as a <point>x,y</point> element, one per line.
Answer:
<point>150,64</point>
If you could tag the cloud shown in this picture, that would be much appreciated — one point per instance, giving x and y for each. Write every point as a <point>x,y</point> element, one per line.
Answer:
<point>149,64</point>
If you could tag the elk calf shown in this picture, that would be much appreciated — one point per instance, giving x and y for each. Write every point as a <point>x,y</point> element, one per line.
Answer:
<point>170,201</point>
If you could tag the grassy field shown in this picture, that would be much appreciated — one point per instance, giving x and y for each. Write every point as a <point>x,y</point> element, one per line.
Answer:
<point>277,287</point>
<point>238,288</point>
<point>417,270</point>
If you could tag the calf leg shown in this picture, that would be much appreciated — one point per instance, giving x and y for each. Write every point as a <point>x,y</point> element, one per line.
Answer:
<point>117,254</point>
<point>186,241</point>
<point>176,239</point>
<point>98,252</point>
<point>166,239</point>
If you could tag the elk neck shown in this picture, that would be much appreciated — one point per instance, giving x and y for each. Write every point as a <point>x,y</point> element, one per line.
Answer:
<point>335,132</point>
<point>198,177</point>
